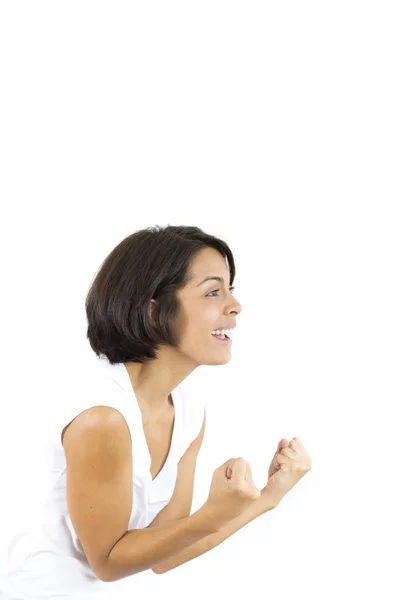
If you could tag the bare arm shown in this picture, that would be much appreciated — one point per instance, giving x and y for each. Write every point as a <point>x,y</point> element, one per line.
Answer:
<point>212,540</point>
<point>98,454</point>
<point>141,549</point>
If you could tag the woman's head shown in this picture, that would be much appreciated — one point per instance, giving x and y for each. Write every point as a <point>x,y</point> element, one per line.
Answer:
<point>148,292</point>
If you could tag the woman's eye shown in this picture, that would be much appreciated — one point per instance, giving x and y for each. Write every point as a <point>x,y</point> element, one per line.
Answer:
<point>231,289</point>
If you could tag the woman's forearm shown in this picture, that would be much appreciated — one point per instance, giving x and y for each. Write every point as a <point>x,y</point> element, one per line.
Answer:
<point>141,549</point>
<point>212,540</point>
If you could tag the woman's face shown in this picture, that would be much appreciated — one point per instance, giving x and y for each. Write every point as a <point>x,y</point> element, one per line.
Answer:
<point>205,307</point>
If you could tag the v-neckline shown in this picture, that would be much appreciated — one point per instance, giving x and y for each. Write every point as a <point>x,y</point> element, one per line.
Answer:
<point>146,446</point>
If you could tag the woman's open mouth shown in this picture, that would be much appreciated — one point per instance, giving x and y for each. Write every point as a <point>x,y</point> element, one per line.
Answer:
<point>222,338</point>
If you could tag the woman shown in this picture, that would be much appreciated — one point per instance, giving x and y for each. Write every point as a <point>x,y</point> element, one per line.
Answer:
<point>124,449</point>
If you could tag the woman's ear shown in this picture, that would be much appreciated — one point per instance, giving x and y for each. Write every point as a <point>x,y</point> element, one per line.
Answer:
<point>151,310</point>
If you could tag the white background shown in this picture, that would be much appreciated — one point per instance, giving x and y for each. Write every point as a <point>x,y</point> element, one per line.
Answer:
<point>276,127</point>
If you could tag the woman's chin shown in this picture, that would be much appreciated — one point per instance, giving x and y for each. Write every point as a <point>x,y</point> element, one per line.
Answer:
<point>223,359</point>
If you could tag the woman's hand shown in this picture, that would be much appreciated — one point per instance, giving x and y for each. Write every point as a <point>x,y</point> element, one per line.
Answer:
<point>232,491</point>
<point>289,464</point>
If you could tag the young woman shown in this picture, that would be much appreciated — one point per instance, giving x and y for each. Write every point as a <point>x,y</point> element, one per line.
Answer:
<point>124,447</point>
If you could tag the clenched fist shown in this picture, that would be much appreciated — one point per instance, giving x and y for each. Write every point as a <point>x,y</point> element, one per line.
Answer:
<point>232,490</point>
<point>289,464</point>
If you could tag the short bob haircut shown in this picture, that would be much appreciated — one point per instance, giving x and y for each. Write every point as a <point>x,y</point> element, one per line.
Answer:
<point>150,263</point>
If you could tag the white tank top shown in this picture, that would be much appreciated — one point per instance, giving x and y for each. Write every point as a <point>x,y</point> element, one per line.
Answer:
<point>46,558</point>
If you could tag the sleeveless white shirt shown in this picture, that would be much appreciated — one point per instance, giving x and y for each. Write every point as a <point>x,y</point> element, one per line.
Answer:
<point>46,558</point>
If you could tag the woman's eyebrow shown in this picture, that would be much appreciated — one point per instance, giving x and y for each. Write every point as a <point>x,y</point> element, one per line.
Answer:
<point>220,279</point>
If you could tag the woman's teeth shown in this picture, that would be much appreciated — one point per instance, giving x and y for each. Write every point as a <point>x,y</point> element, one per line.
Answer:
<point>227,332</point>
